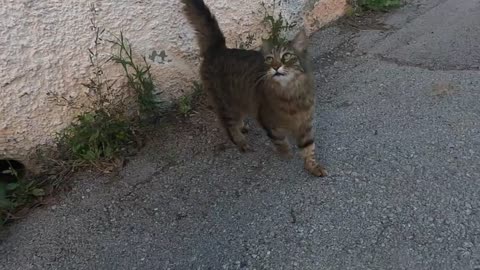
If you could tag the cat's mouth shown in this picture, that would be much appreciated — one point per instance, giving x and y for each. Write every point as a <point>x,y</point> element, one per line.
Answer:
<point>278,74</point>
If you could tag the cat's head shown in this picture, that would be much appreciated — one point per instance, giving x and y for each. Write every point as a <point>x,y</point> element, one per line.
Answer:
<point>285,62</point>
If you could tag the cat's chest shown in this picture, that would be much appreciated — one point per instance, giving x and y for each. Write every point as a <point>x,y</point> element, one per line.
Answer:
<point>290,83</point>
<point>290,107</point>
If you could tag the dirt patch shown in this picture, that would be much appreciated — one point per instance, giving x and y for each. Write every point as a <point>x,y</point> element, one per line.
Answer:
<point>443,89</point>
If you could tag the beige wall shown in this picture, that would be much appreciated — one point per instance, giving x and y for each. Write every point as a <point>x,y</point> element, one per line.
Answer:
<point>44,44</point>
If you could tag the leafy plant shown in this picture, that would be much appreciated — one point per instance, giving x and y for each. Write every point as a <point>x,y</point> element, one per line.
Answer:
<point>103,132</point>
<point>16,193</point>
<point>13,195</point>
<point>97,136</point>
<point>247,43</point>
<point>277,25</point>
<point>352,10</point>
<point>380,5</point>
<point>186,104</point>
<point>138,75</point>
<point>100,136</point>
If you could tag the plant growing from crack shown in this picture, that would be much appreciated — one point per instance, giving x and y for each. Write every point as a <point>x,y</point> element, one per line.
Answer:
<point>277,25</point>
<point>379,5</point>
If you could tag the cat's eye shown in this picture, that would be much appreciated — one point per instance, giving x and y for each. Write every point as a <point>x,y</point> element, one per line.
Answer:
<point>268,60</point>
<point>287,57</point>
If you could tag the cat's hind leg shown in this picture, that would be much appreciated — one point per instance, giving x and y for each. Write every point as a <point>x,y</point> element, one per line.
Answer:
<point>230,117</point>
<point>244,129</point>
<point>234,126</point>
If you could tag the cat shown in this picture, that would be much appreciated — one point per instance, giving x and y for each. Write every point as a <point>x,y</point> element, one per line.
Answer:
<point>275,85</point>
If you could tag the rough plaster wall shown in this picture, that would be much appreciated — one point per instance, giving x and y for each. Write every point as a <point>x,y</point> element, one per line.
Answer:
<point>44,48</point>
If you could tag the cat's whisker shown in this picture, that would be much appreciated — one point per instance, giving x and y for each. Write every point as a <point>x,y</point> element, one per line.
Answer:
<point>262,78</point>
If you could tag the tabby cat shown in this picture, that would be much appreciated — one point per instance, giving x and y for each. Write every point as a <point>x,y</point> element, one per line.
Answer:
<point>274,85</point>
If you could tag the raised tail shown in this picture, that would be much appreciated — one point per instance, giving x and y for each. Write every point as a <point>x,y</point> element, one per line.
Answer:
<point>208,32</point>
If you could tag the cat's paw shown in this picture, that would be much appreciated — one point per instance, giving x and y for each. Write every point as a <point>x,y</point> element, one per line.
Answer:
<point>316,170</point>
<point>285,153</point>
<point>244,148</point>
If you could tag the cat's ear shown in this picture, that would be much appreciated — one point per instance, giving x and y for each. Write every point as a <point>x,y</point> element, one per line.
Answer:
<point>300,42</point>
<point>267,47</point>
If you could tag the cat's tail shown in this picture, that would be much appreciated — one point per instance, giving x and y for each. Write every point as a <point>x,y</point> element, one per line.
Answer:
<point>209,35</point>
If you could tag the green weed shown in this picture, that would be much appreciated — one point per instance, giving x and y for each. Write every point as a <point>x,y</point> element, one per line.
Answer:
<point>247,43</point>
<point>186,103</point>
<point>352,10</point>
<point>277,24</point>
<point>98,136</point>
<point>103,133</point>
<point>138,75</point>
<point>380,5</point>
<point>15,192</point>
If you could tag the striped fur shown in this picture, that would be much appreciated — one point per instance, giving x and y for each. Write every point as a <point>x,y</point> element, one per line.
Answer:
<point>274,85</point>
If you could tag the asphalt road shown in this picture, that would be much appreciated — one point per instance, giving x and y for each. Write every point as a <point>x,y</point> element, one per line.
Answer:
<point>397,126</point>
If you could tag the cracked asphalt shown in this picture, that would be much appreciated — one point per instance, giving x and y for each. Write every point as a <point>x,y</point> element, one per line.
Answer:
<point>397,126</point>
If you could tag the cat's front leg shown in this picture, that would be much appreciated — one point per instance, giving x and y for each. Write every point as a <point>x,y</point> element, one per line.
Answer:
<point>306,144</point>
<point>279,139</point>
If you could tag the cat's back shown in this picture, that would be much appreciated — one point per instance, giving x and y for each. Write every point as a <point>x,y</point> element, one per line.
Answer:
<point>227,60</point>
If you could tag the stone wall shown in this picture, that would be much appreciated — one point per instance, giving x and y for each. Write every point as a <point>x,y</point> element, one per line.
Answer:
<point>44,48</point>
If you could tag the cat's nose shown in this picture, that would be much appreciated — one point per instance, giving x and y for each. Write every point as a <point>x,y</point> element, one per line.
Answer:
<point>276,68</point>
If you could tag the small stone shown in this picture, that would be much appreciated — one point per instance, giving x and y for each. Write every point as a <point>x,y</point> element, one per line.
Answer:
<point>468,211</point>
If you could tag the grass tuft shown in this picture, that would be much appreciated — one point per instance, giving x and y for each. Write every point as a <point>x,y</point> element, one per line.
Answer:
<point>187,103</point>
<point>277,25</point>
<point>98,136</point>
<point>380,5</point>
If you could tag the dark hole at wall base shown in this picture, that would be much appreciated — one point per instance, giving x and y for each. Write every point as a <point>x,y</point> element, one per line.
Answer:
<point>11,170</point>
